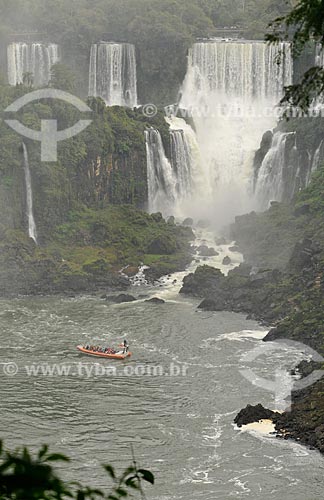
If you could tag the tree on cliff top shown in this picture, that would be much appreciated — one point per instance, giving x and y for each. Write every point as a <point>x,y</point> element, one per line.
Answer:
<point>303,24</point>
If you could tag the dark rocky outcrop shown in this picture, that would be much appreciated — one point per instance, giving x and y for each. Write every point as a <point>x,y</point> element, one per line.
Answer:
<point>243,290</point>
<point>155,300</point>
<point>205,251</point>
<point>121,298</point>
<point>252,414</point>
<point>188,222</point>
<point>227,261</point>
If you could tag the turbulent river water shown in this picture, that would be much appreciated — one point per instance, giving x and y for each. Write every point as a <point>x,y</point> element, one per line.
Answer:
<point>181,427</point>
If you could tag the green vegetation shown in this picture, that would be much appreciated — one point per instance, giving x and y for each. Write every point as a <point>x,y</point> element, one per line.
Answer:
<point>303,25</point>
<point>86,253</point>
<point>86,234</point>
<point>23,477</point>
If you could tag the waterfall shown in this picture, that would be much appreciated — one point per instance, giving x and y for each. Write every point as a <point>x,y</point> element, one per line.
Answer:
<point>34,58</point>
<point>319,55</point>
<point>112,73</point>
<point>162,183</point>
<point>230,91</point>
<point>29,197</point>
<point>318,156</point>
<point>270,181</point>
<point>181,162</point>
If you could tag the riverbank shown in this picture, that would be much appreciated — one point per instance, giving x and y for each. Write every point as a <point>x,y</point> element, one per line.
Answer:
<point>281,284</point>
<point>87,253</point>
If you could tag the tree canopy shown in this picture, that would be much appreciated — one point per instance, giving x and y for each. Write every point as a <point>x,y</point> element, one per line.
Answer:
<point>304,24</point>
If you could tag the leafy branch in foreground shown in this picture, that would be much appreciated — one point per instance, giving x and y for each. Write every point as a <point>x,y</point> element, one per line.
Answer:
<point>23,477</point>
<point>302,25</point>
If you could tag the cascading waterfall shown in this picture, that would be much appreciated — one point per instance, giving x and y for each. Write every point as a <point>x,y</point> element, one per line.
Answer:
<point>162,183</point>
<point>317,157</point>
<point>32,232</point>
<point>319,55</point>
<point>270,185</point>
<point>187,166</point>
<point>230,91</point>
<point>286,168</point>
<point>181,162</point>
<point>112,73</point>
<point>35,59</point>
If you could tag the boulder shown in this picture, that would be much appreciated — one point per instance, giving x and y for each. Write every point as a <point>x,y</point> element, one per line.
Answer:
<point>121,298</point>
<point>188,222</point>
<point>206,251</point>
<point>227,261</point>
<point>252,414</point>
<point>171,220</point>
<point>155,300</point>
<point>162,245</point>
<point>158,217</point>
<point>234,248</point>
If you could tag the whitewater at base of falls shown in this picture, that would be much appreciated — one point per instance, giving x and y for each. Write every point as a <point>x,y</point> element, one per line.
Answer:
<point>230,90</point>
<point>31,60</point>
<point>112,73</point>
<point>32,232</point>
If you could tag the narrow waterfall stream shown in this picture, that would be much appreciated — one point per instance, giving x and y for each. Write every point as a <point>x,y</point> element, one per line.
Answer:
<point>32,232</point>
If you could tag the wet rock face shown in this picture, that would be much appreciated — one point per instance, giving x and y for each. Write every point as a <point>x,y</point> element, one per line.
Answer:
<point>252,414</point>
<point>188,222</point>
<point>155,300</point>
<point>261,153</point>
<point>304,423</point>
<point>241,291</point>
<point>205,251</point>
<point>303,256</point>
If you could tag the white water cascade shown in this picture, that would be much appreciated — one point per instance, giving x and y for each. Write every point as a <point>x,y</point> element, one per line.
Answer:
<point>187,166</point>
<point>112,73</point>
<point>230,90</point>
<point>162,182</point>
<point>32,232</point>
<point>34,58</point>
<point>270,184</point>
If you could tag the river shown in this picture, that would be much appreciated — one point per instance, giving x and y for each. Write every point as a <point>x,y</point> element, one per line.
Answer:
<point>181,427</point>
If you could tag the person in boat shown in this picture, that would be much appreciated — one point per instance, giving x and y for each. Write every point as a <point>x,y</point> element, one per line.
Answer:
<point>126,347</point>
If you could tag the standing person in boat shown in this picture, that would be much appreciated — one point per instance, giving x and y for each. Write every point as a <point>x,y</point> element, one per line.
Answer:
<point>126,347</point>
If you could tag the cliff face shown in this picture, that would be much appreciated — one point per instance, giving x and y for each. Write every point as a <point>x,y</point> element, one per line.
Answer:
<point>106,164</point>
<point>115,179</point>
<point>85,205</point>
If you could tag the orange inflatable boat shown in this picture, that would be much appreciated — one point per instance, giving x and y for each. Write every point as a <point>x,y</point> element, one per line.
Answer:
<point>117,355</point>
